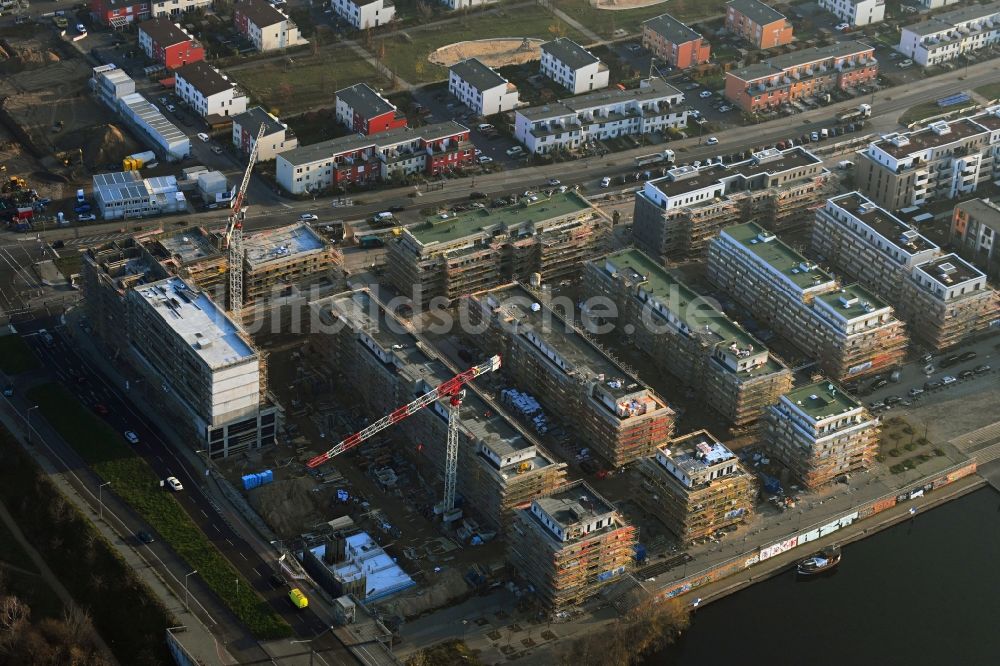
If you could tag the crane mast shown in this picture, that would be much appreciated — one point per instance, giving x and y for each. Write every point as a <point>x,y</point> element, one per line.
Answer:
<point>234,231</point>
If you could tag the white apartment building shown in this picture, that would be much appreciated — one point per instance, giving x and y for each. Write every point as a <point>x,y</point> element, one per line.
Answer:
<point>266,26</point>
<point>277,136</point>
<point>652,107</point>
<point>481,88</point>
<point>856,12</point>
<point>208,91</point>
<point>363,14</point>
<point>936,4</point>
<point>949,35</point>
<point>573,67</point>
<point>466,4</point>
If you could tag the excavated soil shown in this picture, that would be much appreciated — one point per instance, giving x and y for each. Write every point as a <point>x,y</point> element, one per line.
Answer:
<point>101,146</point>
<point>492,52</point>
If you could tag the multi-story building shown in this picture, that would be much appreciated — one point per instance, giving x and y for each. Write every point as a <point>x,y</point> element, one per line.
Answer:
<point>277,138</point>
<point>359,159</point>
<point>466,252</point>
<point>119,13</point>
<point>364,111</point>
<point>947,301</point>
<point>869,244</point>
<point>267,27</point>
<point>364,14</point>
<point>761,25</point>
<point>165,42</point>
<point>946,160</point>
<point>500,467</point>
<point>127,195</point>
<point>936,4</point>
<point>677,215</point>
<point>278,261</point>
<point>783,79</point>
<point>975,231</point>
<point>696,486</point>
<point>573,67</point>
<point>481,89</point>
<point>820,432</point>
<point>595,397</point>
<point>947,36</point>
<point>856,12</point>
<point>208,92</point>
<point>848,330</point>
<point>686,335</point>
<point>654,106</point>
<point>674,42</point>
<point>569,545</point>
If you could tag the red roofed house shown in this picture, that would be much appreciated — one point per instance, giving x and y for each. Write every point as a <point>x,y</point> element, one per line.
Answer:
<point>367,112</point>
<point>166,43</point>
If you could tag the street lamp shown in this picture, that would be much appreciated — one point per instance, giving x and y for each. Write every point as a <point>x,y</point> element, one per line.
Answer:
<point>100,497</point>
<point>186,576</point>
<point>27,422</point>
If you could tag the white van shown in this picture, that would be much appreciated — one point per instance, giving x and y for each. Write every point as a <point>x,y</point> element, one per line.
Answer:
<point>845,165</point>
<point>384,217</point>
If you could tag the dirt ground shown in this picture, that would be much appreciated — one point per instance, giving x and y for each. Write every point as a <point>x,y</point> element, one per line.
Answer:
<point>615,5</point>
<point>492,52</point>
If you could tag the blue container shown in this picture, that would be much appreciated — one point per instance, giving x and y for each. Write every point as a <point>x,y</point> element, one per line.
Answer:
<point>640,552</point>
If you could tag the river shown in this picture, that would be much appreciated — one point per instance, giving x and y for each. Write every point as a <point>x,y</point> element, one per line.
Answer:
<point>926,591</point>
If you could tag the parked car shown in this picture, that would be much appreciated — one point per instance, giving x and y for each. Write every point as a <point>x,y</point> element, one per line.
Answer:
<point>892,399</point>
<point>841,27</point>
<point>86,217</point>
<point>711,141</point>
<point>514,151</point>
<point>605,182</point>
<point>705,94</point>
<point>8,391</point>
<point>485,159</point>
<point>175,483</point>
<point>930,386</point>
<point>554,182</point>
<point>950,361</point>
<point>982,369</point>
<point>81,28</point>
<point>308,217</point>
<point>879,383</point>
<point>814,136</point>
<point>131,437</point>
<point>217,150</point>
<point>915,391</point>
<point>144,537</point>
<point>965,374</point>
<point>171,108</point>
<point>725,108</point>
<point>948,379</point>
<point>878,404</point>
<point>905,63</point>
<point>967,356</point>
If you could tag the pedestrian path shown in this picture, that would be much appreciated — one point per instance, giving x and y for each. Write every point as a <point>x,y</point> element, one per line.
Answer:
<point>975,438</point>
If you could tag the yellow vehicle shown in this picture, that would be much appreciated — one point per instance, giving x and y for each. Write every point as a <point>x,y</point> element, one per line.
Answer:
<point>298,599</point>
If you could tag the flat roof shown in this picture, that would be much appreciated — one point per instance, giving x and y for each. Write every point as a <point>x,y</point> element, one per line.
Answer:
<point>478,75</point>
<point>822,399</point>
<point>696,451</point>
<point>852,301</point>
<point>653,88</point>
<point>803,56</point>
<point>779,256</point>
<point>771,162</point>
<point>282,243</point>
<point>931,137</point>
<point>968,13</point>
<point>574,504</point>
<point>929,27</point>
<point>187,245</point>
<point>195,318</point>
<point>884,223</point>
<point>950,270</point>
<point>671,29</point>
<point>569,53</point>
<point>990,119</point>
<point>153,118</point>
<point>365,101</point>
<point>436,229</point>
<point>315,152</point>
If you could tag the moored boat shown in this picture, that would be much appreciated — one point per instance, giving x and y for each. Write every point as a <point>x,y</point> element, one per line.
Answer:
<point>824,560</point>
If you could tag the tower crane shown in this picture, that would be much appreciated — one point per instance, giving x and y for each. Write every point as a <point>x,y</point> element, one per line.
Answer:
<point>452,389</point>
<point>234,231</point>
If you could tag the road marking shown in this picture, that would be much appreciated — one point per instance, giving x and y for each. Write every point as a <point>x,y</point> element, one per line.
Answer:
<point>286,205</point>
<point>257,572</point>
<point>216,528</point>
<point>203,513</point>
<point>230,542</point>
<point>244,557</point>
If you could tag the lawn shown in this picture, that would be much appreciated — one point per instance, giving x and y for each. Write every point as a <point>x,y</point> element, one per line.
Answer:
<point>135,482</point>
<point>407,55</point>
<point>604,22</point>
<point>990,91</point>
<point>307,82</point>
<point>928,109</point>
<point>15,355</point>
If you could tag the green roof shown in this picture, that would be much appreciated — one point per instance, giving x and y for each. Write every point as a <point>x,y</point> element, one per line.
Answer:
<point>486,220</point>
<point>822,399</point>
<point>856,297</point>
<point>779,256</point>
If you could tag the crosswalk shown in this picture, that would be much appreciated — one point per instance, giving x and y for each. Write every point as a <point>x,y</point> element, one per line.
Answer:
<point>93,239</point>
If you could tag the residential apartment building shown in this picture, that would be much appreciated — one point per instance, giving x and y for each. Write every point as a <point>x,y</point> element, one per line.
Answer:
<point>683,333</point>
<point>267,27</point>
<point>597,399</point>
<point>364,14</point>
<point>461,253</point>
<point>760,24</point>
<point>277,138</point>
<point>696,486</point>
<point>936,4</point>
<point>500,467</point>
<point>847,329</point>
<point>466,4</point>
<point>677,215</point>
<point>364,111</point>
<point>567,124</point>
<point>946,160</point>
<point>569,545</point>
<point>674,43</point>
<point>856,12</point>
<point>573,67</point>
<point>947,302</point>
<point>783,79</point>
<point>165,42</point>
<point>975,231</point>
<point>358,160</point>
<point>127,195</point>
<point>951,34</point>
<point>120,13</point>
<point>208,92</point>
<point>480,88</point>
<point>820,433</point>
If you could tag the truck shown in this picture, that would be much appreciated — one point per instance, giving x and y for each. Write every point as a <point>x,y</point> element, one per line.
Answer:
<point>383,219</point>
<point>655,158</point>
<point>368,242</point>
<point>855,115</point>
<point>136,161</point>
<point>298,599</point>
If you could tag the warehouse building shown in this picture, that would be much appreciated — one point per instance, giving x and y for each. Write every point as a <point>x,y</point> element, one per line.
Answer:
<point>162,135</point>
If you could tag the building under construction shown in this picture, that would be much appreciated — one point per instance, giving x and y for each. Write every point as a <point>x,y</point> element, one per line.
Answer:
<point>386,365</point>
<point>848,330</point>
<point>686,335</point>
<point>696,486</point>
<point>820,433</point>
<point>676,216</point>
<point>607,406</point>
<point>456,254</point>
<point>192,254</point>
<point>569,545</point>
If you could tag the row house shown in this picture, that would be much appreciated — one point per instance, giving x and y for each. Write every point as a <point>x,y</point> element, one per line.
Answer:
<point>466,4</point>
<point>267,27</point>
<point>573,67</point>
<point>783,79</point>
<point>856,12</point>
<point>208,91</point>
<point>975,231</point>
<point>481,88</point>
<point>364,14</point>
<point>566,124</point>
<point>364,111</point>
<point>951,34</point>
<point>760,24</point>
<point>277,138</point>
<point>674,43</point>
<point>167,43</point>
<point>120,13</point>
